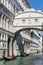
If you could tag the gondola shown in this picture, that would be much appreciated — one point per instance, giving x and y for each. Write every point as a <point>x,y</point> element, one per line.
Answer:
<point>9,58</point>
<point>25,54</point>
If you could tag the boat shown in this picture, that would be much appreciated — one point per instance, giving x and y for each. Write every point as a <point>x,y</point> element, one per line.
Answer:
<point>24,55</point>
<point>9,58</point>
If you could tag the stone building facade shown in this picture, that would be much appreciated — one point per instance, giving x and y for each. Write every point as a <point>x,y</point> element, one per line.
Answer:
<point>26,41</point>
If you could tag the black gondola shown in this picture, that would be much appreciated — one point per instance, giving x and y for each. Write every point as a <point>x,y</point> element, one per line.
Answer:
<point>9,58</point>
<point>5,58</point>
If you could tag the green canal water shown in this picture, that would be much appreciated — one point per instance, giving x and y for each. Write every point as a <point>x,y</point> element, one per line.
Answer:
<point>29,60</point>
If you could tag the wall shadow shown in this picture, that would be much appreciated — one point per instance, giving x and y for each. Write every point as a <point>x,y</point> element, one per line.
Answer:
<point>20,44</point>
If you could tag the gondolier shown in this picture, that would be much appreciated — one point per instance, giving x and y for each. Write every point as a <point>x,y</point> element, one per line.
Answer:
<point>3,54</point>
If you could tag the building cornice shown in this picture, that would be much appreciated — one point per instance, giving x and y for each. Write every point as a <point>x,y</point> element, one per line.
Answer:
<point>30,12</point>
<point>28,4</point>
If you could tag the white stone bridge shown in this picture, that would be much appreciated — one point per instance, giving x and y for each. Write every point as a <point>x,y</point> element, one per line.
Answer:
<point>24,20</point>
<point>28,20</point>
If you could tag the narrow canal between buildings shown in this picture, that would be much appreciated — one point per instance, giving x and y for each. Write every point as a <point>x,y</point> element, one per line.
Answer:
<point>29,60</point>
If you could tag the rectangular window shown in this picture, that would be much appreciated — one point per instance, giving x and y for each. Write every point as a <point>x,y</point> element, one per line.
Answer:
<point>4,45</point>
<point>31,34</point>
<point>36,20</point>
<point>23,20</point>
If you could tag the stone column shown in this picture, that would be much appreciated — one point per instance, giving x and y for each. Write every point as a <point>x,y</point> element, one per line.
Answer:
<point>6,27</point>
<point>15,48</point>
<point>4,21</point>
<point>7,20</point>
<point>1,20</point>
<point>10,49</point>
<point>1,36</point>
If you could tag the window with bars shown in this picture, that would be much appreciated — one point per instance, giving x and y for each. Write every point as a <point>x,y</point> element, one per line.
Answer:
<point>36,20</point>
<point>4,45</point>
<point>23,20</point>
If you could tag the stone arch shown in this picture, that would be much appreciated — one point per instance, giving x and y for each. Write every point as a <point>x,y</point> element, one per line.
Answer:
<point>30,15</point>
<point>27,29</point>
<point>20,30</point>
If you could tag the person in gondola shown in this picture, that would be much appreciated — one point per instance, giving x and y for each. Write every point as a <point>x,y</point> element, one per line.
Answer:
<point>3,54</point>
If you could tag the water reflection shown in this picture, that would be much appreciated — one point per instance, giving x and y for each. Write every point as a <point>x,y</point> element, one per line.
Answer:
<point>29,60</point>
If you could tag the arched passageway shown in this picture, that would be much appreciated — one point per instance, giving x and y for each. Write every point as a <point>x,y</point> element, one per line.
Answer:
<point>18,38</point>
<point>22,23</point>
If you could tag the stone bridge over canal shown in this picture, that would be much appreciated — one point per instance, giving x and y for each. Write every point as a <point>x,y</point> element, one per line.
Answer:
<point>28,20</point>
<point>23,21</point>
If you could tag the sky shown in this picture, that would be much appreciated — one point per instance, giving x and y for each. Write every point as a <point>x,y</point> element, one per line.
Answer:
<point>36,4</point>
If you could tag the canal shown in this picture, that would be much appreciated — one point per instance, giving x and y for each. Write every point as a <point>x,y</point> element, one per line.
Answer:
<point>29,60</point>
